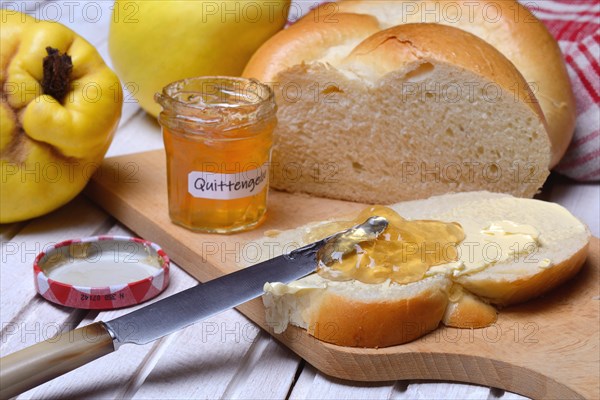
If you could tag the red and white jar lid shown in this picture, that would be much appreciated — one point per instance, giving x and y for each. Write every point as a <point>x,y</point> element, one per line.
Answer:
<point>101,272</point>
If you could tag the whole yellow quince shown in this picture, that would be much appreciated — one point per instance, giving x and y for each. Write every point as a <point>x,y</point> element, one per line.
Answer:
<point>153,43</point>
<point>59,107</point>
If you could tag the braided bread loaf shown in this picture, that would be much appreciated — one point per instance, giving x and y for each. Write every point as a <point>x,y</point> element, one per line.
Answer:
<point>382,115</point>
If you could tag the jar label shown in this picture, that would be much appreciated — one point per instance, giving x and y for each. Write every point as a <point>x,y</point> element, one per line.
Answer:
<point>211,185</point>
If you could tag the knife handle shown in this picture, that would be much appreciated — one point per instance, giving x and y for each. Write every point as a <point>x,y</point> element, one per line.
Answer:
<point>32,366</point>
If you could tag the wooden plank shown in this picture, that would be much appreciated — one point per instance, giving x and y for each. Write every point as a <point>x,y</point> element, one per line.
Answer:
<point>440,390</point>
<point>304,383</point>
<point>511,396</point>
<point>130,106</point>
<point>506,363</point>
<point>8,231</point>
<point>140,133</point>
<point>204,360</point>
<point>25,316</point>
<point>269,374</point>
<point>581,199</point>
<point>313,384</point>
<point>115,375</point>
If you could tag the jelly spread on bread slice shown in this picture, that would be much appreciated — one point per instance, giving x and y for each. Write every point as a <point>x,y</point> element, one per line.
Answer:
<point>402,253</point>
<point>407,251</point>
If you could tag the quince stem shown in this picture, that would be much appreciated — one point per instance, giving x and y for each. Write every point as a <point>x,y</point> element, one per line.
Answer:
<point>56,81</point>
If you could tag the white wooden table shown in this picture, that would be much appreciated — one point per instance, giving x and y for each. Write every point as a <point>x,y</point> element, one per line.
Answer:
<point>224,357</point>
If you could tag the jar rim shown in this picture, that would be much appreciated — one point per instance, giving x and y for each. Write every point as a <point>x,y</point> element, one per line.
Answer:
<point>212,92</point>
<point>215,102</point>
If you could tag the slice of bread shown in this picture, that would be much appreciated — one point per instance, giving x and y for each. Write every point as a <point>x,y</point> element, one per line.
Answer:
<point>352,313</point>
<point>409,112</point>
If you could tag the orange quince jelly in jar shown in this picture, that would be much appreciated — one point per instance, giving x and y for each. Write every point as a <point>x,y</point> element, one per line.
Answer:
<point>218,135</point>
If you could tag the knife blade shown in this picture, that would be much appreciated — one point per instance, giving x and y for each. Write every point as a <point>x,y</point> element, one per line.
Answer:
<point>202,301</point>
<point>47,360</point>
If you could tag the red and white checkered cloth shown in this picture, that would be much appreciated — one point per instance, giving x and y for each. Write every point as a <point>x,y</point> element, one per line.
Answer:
<point>576,26</point>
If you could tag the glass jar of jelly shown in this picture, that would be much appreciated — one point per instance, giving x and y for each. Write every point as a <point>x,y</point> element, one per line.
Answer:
<point>218,133</point>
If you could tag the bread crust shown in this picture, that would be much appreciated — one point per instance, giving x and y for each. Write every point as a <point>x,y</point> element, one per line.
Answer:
<point>509,27</point>
<point>393,48</point>
<point>469,312</point>
<point>514,291</point>
<point>306,42</point>
<point>344,322</point>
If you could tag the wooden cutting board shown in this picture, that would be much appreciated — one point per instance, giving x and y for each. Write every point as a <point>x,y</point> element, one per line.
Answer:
<point>547,348</point>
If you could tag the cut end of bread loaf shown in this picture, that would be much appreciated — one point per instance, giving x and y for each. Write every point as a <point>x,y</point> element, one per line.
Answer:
<point>513,30</point>
<point>352,313</point>
<point>404,116</point>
